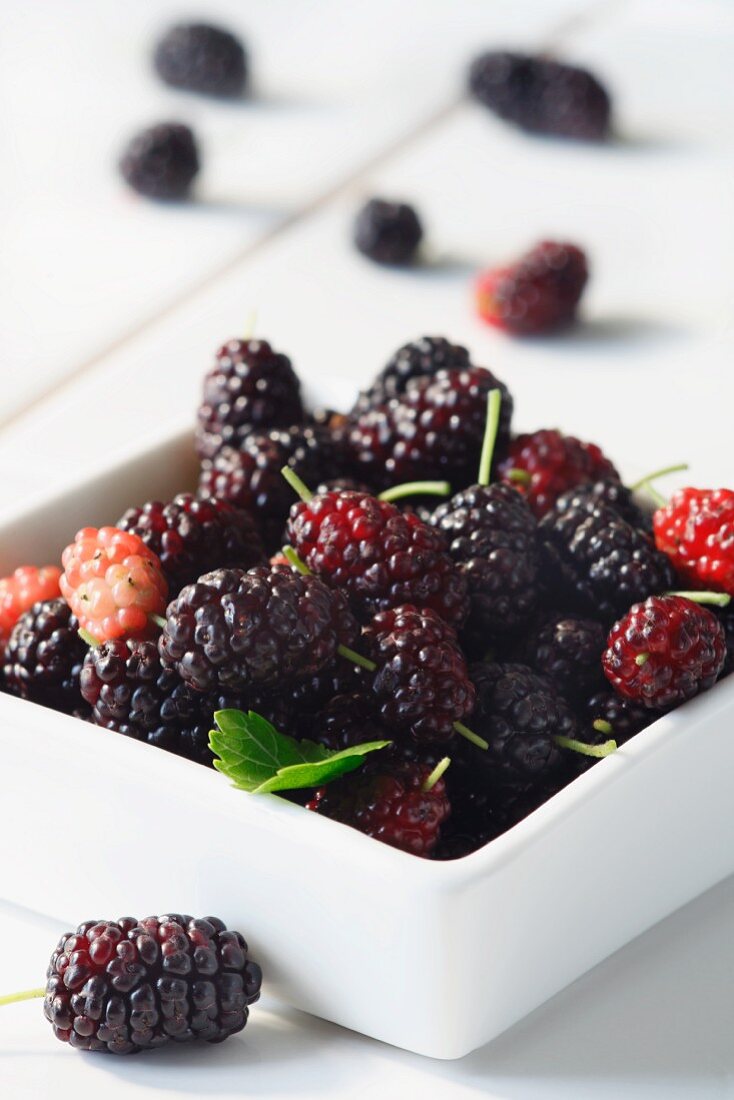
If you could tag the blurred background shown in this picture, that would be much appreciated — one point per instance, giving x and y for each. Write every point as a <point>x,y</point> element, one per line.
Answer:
<point>112,305</point>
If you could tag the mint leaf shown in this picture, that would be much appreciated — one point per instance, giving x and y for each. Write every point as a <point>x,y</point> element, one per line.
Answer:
<point>256,757</point>
<point>317,772</point>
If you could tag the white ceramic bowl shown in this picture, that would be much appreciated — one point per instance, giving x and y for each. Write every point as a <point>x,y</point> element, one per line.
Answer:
<point>435,957</point>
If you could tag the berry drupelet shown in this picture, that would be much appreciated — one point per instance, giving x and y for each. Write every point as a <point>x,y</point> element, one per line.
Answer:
<point>434,430</point>
<point>191,536</point>
<point>538,294</point>
<point>44,656</point>
<point>541,96</point>
<point>392,806</point>
<point>201,58</point>
<point>234,629</point>
<point>599,563</point>
<point>544,464</point>
<point>113,583</point>
<point>380,557</point>
<point>388,232</point>
<point>21,590</point>
<point>568,652</point>
<point>161,162</point>
<point>128,985</point>
<point>492,536</point>
<point>420,359</point>
<point>250,388</point>
<point>696,530</point>
<point>664,651</point>
<point>422,681</point>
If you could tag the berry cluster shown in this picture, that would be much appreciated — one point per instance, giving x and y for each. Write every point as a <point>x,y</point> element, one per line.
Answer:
<point>502,626</point>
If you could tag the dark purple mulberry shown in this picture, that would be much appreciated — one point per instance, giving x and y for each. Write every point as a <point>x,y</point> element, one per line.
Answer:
<point>542,96</point>
<point>419,359</point>
<point>125,986</point>
<point>234,629</point>
<point>202,58</point>
<point>44,656</point>
<point>493,537</point>
<point>250,388</point>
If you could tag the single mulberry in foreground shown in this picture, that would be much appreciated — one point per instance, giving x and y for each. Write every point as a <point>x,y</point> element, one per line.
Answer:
<point>130,985</point>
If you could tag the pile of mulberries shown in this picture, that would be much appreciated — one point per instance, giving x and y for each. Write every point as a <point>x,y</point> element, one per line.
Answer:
<point>499,607</point>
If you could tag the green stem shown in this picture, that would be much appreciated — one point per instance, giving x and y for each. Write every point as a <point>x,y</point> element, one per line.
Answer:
<point>87,637</point>
<point>599,751</point>
<point>27,995</point>
<point>642,659</point>
<point>356,658</point>
<point>158,620</point>
<point>298,486</point>
<point>471,736</point>
<point>716,599</point>
<point>522,477</point>
<point>436,774</point>
<point>663,472</point>
<point>494,406</point>
<point>652,491</point>
<point>296,562</point>
<point>416,488</point>
<point>602,726</point>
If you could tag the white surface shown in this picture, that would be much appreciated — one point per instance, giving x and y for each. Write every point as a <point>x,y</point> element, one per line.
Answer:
<point>655,1021</point>
<point>483,937</point>
<point>85,261</point>
<point>651,1023</point>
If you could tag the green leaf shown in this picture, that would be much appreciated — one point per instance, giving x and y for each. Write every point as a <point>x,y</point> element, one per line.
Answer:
<point>318,772</point>
<point>256,757</point>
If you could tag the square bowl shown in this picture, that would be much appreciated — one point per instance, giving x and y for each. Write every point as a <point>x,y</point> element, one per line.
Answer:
<point>437,958</point>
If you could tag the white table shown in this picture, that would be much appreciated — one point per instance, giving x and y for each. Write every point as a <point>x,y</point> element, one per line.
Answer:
<point>101,294</point>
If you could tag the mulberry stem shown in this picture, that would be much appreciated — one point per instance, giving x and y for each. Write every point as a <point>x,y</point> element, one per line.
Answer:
<point>158,620</point>
<point>663,472</point>
<point>87,637</point>
<point>297,484</point>
<point>602,726</point>
<point>494,405</point>
<point>471,736</point>
<point>436,774</point>
<point>27,995</point>
<point>715,599</point>
<point>656,496</point>
<point>416,488</point>
<point>296,562</point>
<point>521,477</point>
<point>586,750</point>
<point>356,658</point>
